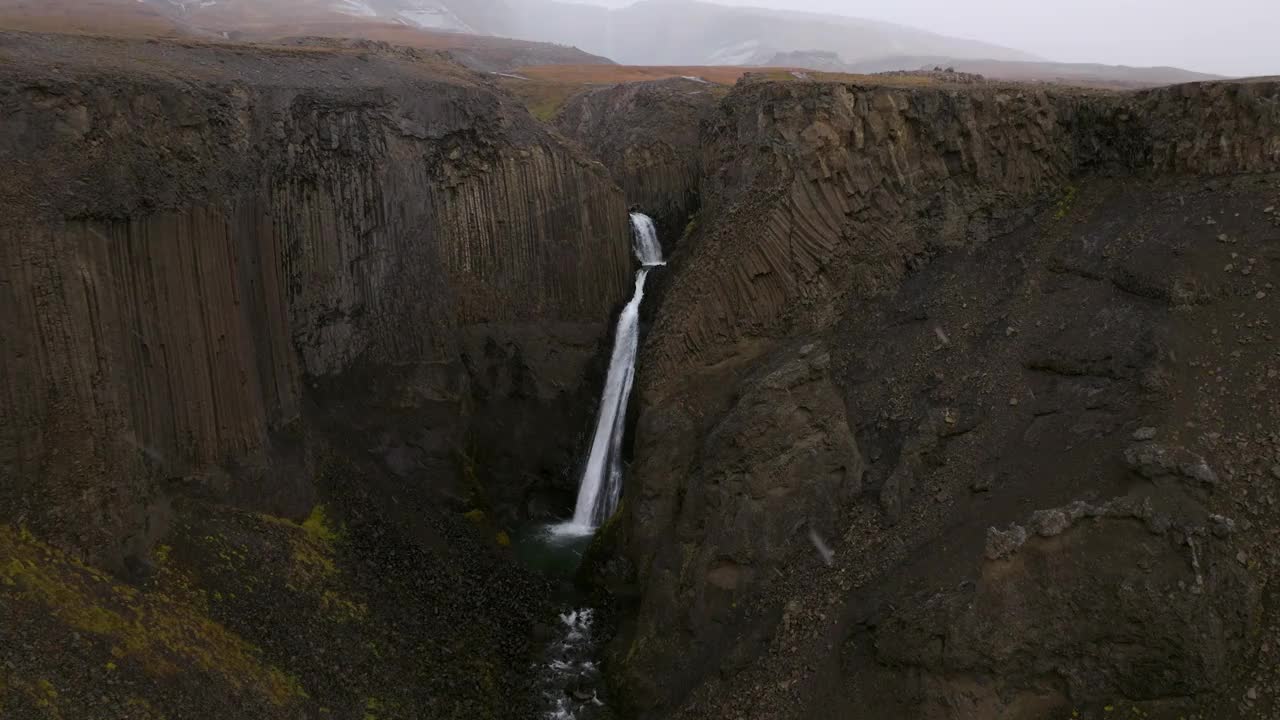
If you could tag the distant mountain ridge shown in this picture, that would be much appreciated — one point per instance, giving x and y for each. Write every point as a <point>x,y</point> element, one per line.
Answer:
<point>1091,74</point>
<point>691,32</point>
<point>423,24</point>
<point>470,16</point>
<point>501,35</point>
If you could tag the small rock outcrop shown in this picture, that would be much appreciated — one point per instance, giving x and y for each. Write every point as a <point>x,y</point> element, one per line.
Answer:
<point>1158,462</point>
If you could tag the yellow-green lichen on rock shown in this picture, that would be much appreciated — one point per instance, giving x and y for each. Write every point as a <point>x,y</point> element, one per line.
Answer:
<point>160,634</point>
<point>319,527</point>
<point>309,549</point>
<point>311,542</point>
<point>38,698</point>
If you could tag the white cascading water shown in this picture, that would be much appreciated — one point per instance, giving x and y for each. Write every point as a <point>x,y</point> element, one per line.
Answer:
<point>601,485</point>
<point>645,241</point>
<point>570,674</point>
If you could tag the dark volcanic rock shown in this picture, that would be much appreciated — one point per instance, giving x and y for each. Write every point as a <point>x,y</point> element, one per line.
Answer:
<point>648,135</point>
<point>205,246</point>
<point>781,463</point>
<point>1007,288</point>
<point>237,282</point>
<point>240,280</point>
<point>1054,627</point>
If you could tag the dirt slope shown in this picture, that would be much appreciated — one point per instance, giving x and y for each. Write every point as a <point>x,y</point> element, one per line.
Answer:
<point>289,23</point>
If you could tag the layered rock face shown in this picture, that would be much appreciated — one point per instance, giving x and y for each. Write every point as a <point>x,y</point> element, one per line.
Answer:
<point>209,253</point>
<point>648,135</point>
<point>910,315</point>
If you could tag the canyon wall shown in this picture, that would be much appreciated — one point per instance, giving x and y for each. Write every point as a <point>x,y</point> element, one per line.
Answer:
<point>648,135</point>
<point>209,253</point>
<point>955,305</point>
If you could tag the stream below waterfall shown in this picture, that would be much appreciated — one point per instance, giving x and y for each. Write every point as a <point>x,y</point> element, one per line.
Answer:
<point>568,674</point>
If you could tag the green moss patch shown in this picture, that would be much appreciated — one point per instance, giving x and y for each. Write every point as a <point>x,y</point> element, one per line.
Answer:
<point>156,635</point>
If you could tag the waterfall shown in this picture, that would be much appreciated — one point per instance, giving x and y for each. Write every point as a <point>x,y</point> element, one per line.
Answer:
<point>601,484</point>
<point>645,241</point>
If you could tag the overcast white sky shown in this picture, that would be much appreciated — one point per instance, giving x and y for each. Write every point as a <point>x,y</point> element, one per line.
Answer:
<point>1229,37</point>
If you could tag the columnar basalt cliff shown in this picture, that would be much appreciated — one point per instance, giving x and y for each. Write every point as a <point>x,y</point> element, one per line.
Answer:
<point>267,313</point>
<point>200,244</point>
<point>957,305</point>
<point>648,135</point>
<point>955,401</point>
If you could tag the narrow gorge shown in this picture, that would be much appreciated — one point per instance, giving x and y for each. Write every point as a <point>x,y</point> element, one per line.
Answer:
<point>570,670</point>
<point>337,385</point>
<point>601,485</point>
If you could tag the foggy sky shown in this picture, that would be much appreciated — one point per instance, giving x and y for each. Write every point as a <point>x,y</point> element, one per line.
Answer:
<point>1228,37</point>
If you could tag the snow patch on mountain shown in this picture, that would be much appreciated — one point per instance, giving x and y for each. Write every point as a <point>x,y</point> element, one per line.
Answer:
<point>358,8</point>
<point>742,53</point>
<point>184,6</point>
<point>425,14</point>
<point>435,19</point>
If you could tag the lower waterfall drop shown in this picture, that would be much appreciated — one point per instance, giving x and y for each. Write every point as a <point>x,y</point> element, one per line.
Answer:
<point>601,485</point>
<point>569,680</point>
